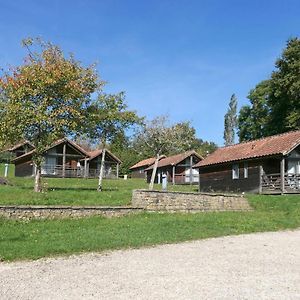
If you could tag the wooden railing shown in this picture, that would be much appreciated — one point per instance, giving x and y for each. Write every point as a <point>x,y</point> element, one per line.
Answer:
<point>185,178</point>
<point>273,182</point>
<point>71,172</point>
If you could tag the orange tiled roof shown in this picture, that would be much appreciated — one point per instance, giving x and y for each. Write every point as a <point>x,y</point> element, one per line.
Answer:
<point>280,144</point>
<point>145,163</point>
<point>93,154</point>
<point>175,159</point>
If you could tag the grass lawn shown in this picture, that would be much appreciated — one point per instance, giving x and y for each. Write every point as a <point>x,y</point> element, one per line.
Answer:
<point>73,191</point>
<point>39,238</point>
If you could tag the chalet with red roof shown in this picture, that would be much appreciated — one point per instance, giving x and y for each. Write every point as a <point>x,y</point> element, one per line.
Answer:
<point>138,170</point>
<point>178,168</point>
<point>267,165</point>
<point>67,159</point>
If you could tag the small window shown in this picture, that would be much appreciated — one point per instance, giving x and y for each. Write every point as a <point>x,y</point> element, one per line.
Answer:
<point>245,170</point>
<point>235,171</point>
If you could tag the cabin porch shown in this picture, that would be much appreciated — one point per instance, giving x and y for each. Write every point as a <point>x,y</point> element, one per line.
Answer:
<point>285,179</point>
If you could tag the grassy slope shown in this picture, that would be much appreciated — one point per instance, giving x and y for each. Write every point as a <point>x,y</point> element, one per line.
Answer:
<point>72,191</point>
<point>38,238</point>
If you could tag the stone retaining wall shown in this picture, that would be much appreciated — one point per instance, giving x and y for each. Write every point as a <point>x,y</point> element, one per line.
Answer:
<point>53,212</point>
<point>188,202</point>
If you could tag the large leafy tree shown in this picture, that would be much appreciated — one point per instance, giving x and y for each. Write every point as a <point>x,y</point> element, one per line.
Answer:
<point>284,99</point>
<point>274,103</point>
<point>253,120</point>
<point>108,116</point>
<point>44,98</point>
<point>230,121</point>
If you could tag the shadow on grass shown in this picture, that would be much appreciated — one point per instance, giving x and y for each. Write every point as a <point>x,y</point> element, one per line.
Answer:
<point>50,189</point>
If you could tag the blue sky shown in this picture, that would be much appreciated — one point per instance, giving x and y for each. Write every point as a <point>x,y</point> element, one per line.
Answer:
<point>181,58</point>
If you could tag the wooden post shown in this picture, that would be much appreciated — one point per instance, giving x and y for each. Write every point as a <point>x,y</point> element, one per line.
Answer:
<point>173,174</point>
<point>282,172</point>
<point>85,168</point>
<point>117,170</point>
<point>191,169</point>
<point>260,179</point>
<point>64,160</point>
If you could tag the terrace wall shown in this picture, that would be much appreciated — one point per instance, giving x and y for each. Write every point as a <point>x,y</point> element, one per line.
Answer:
<point>188,202</point>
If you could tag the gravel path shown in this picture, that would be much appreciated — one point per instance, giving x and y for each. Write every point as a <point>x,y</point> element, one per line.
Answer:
<point>255,266</point>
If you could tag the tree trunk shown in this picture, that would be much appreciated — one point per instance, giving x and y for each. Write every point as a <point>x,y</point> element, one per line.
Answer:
<point>37,179</point>
<point>101,170</point>
<point>151,185</point>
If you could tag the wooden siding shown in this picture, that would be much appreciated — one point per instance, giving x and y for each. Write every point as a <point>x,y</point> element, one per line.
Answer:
<point>138,173</point>
<point>24,169</point>
<point>219,178</point>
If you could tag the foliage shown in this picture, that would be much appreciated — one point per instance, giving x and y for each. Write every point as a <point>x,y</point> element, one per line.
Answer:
<point>107,117</point>
<point>121,146</point>
<point>203,147</point>
<point>274,103</point>
<point>285,90</point>
<point>230,121</point>
<point>6,156</point>
<point>84,142</point>
<point>44,98</point>
<point>160,137</point>
<point>253,120</point>
<point>39,238</point>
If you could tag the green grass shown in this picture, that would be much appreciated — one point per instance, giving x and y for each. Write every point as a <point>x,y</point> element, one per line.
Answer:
<point>73,191</point>
<point>39,238</point>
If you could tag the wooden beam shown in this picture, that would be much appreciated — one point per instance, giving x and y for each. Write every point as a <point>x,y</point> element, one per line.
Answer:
<point>117,170</point>
<point>85,168</point>
<point>67,155</point>
<point>64,160</point>
<point>173,174</point>
<point>191,169</point>
<point>282,172</point>
<point>260,179</point>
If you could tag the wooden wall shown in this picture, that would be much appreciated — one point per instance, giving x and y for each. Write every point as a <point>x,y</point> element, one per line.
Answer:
<point>23,169</point>
<point>219,178</point>
<point>138,173</point>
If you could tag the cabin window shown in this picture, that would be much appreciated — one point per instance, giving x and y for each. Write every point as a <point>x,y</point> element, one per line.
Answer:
<point>245,170</point>
<point>235,171</point>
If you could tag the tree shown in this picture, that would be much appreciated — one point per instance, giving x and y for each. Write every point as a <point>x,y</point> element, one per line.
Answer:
<point>44,98</point>
<point>158,137</point>
<point>274,103</point>
<point>253,120</point>
<point>121,146</point>
<point>202,147</point>
<point>108,116</point>
<point>284,101</point>
<point>230,121</point>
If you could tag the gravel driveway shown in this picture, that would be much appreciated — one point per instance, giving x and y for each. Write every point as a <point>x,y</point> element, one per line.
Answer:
<point>254,266</point>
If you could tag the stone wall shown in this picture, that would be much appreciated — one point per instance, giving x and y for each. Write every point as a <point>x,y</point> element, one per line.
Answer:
<point>188,202</point>
<point>53,212</point>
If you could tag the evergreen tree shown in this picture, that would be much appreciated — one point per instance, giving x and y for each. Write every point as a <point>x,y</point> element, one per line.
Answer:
<point>230,121</point>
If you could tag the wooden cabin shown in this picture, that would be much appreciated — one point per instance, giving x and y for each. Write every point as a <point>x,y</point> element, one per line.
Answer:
<point>93,162</point>
<point>21,148</point>
<point>268,165</point>
<point>178,168</point>
<point>66,159</point>
<point>138,170</point>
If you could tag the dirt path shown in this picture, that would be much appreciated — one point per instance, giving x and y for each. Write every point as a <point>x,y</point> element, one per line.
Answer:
<point>255,266</point>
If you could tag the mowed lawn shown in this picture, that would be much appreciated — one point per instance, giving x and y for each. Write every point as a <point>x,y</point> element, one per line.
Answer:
<point>73,191</point>
<point>39,238</point>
